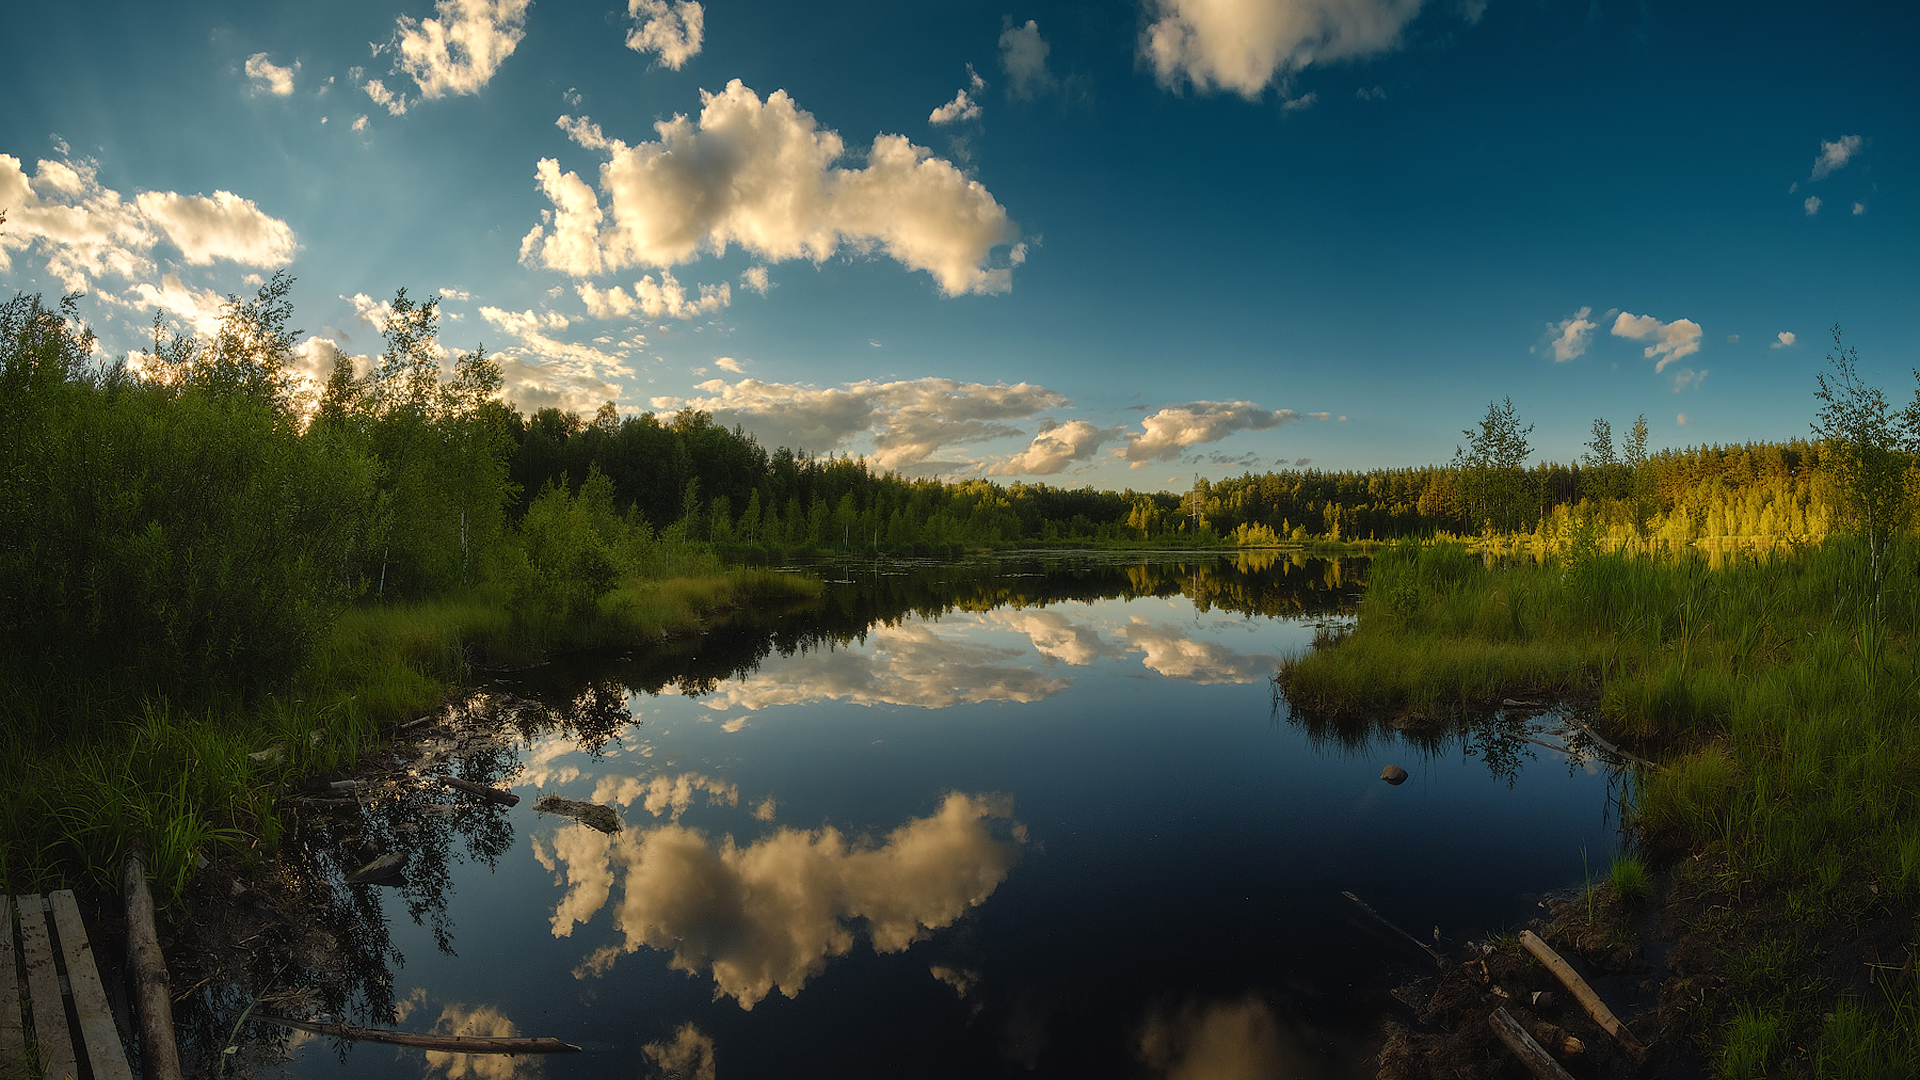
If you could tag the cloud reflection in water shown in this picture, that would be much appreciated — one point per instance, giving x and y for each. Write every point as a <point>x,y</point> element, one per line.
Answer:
<point>910,664</point>
<point>769,914</point>
<point>1229,1040</point>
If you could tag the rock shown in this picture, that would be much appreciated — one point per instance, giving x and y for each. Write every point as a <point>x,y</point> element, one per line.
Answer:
<point>1394,774</point>
<point>592,815</point>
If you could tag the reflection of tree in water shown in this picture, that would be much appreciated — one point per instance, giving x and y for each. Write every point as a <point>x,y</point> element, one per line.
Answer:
<point>859,596</point>
<point>314,944</point>
<point>1504,739</point>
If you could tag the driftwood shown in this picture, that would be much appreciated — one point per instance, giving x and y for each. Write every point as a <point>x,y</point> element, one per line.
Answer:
<point>151,984</point>
<point>1584,994</point>
<point>1603,744</point>
<point>494,795</point>
<point>457,1044</point>
<point>1388,923</point>
<point>592,815</point>
<point>380,870</point>
<point>317,800</point>
<point>1530,1053</point>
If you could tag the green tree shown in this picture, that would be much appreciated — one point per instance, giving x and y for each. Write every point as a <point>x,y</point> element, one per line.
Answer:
<point>1495,490</point>
<point>1638,480</point>
<point>1868,449</point>
<point>1603,467</point>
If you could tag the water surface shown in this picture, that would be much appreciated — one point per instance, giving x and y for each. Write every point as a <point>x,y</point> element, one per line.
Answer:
<point>1012,818</point>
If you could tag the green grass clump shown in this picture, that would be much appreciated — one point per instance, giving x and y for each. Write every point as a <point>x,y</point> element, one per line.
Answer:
<point>1783,708</point>
<point>1753,1041</point>
<point>1629,876</point>
<point>184,779</point>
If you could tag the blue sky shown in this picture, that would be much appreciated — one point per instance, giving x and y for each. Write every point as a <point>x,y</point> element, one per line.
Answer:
<point>1151,239</point>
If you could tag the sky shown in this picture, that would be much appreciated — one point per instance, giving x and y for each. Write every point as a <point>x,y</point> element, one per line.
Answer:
<point>1120,244</point>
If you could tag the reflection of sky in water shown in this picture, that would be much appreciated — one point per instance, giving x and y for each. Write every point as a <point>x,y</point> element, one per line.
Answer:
<point>1071,839</point>
<point>766,915</point>
<point>1010,655</point>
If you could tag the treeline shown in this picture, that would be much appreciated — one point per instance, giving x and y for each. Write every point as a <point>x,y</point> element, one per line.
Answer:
<point>705,482</point>
<point>191,515</point>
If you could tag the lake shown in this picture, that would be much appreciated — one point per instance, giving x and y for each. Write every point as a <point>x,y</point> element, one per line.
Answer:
<point>1035,815</point>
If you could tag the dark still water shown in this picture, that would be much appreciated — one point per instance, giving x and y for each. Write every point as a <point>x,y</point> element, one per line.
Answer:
<point>1005,818</point>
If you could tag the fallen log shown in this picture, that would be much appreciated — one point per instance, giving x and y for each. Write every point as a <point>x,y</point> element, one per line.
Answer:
<point>493,795</point>
<point>1602,743</point>
<point>379,871</point>
<point>1531,1054</point>
<point>1584,994</point>
<point>151,984</point>
<point>456,1044</point>
<point>592,815</point>
<point>1384,921</point>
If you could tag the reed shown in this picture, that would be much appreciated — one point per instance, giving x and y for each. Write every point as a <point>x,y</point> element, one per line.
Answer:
<point>1781,705</point>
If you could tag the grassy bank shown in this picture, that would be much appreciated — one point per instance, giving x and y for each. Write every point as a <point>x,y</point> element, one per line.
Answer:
<point>1785,716</point>
<point>186,780</point>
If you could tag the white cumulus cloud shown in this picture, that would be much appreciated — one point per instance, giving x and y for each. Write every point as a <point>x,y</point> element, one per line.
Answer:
<point>908,421</point>
<point>541,370</point>
<point>1170,431</point>
<point>662,299</point>
<point>1023,56</point>
<point>1247,45</point>
<point>1686,377</point>
<point>670,31</point>
<point>761,174</point>
<point>224,226</point>
<point>1671,341</point>
<point>960,108</point>
<point>1784,340</point>
<point>1835,155</point>
<point>1812,205</point>
<point>1056,447</point>
<point>755,278</point>
<point>269,76</point>
<point>455,52</point>
<point>85,230</point>
<point>1572,335</point>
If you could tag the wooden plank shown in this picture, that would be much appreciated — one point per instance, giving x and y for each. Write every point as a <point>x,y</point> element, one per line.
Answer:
<point>104,1052</point>
<point>13,1037</point>
<point>43,982</point>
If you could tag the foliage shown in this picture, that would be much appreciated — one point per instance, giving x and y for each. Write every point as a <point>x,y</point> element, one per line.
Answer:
<point>1494,487</point>
<point>1869,451</point>
<point>167,533</point>
<point>1783,719</point>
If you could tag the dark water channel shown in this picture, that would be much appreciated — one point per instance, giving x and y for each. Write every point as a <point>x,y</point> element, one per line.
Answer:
<point>1020,817</point>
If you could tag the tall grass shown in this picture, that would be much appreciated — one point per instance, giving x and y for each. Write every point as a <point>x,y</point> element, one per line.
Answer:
<point>1785,713</point>
<point>187,781</point>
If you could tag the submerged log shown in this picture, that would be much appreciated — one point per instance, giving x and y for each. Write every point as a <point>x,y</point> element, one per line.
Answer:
<point>456,1044</point>
<point>1388,923</point>
<point>380,870</point>
<point>1530,1053</point>
<point>1584,994</point>
<point>493,795</point>
<point>152,987</point>
<point>1602,743</point>
<point>592,815</point>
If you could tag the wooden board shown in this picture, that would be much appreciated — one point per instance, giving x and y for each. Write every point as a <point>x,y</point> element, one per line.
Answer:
<point>43,982</point>
<point>104,1052</point>
<point>13,1039</point>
